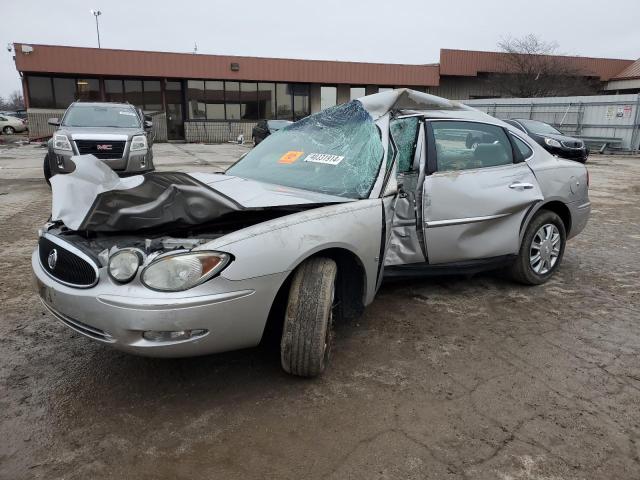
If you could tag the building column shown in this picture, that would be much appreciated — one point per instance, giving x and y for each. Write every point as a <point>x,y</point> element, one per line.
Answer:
<point>25,91</point>
<point>314,97</point>
<point>343,94</point>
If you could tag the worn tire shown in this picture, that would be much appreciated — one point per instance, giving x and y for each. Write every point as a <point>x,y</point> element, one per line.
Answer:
<point>46,169</point>
<point>521,270</point>
<point>307,334</point>
<point>8,130</point>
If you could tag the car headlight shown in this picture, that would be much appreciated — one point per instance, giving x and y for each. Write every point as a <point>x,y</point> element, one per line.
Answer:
<point>123,265</point>
<point>181,271</point>
<point>61,142</point>
<point>139,142</point>
<point>552,142</point>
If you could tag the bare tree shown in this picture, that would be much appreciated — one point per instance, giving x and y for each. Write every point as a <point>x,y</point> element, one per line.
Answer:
<point>13,102</point>
<point>534,68</point>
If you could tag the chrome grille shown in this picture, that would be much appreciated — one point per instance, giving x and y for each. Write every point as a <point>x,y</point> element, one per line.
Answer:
<point>102,149</point>
<point>65,263</point>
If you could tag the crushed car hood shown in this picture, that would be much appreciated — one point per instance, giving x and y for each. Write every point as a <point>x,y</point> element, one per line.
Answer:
<point>94,198</point>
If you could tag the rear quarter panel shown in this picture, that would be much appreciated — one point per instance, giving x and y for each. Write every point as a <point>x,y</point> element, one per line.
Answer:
<point>563,181</point>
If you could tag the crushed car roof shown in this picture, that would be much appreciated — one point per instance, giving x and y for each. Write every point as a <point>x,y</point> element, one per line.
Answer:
<point>405,100</point>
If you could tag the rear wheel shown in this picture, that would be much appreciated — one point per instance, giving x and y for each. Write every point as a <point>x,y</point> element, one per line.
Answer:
<point>542,249</point>
<point>8,130</point>
<point>307,332</point>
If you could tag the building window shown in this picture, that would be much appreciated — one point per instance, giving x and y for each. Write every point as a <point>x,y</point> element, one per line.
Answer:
<point>384,89</point>
<point>232,92</point>
<point>233,111</point>
<point>88,89</point>
<point>145,94</point>
<point>231,100</point>
<point>133,92</point>
<point>40,92</point>
<point>60,92</point>
<point>267,100</point>
<point>214,100</point>
<point>328,97</point>
<point>113,91</point>
<point>300,101</point>
<point>64,92</point>
<point>152,96</point>
<point>357,92</point>
<point>196,99</point>
<point>249,101</point>
<point>284,101</point>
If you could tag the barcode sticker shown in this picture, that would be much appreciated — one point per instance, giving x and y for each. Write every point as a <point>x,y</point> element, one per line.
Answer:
<point>325,158</point>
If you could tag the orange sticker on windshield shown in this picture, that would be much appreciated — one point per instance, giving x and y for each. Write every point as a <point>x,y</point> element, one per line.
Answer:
<point>290,157</point>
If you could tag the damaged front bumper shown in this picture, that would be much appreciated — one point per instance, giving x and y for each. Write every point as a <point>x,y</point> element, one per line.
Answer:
<point>233,313</point>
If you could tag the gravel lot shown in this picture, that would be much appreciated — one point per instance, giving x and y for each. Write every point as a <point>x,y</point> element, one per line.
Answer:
<point>473,378</point>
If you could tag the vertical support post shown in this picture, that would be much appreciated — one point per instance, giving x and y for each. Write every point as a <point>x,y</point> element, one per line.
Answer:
<point>25,91</point>
<point>635,135</point>
<point>98,31</point>
<point>581,108</point>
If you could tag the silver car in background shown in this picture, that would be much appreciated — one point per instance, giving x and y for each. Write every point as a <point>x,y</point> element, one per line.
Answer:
<point>10,125</point>
<point>302,230</point>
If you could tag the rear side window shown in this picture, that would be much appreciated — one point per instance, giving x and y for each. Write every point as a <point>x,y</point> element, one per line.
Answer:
<point>468,145</point>
<point>522,147</point>
<point>405,132</point>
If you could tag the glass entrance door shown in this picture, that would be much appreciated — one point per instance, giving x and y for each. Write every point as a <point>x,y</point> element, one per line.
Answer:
<point>175,117</point>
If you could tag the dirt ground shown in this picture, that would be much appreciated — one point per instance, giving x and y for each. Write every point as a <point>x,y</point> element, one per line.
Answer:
<point>444,378</point>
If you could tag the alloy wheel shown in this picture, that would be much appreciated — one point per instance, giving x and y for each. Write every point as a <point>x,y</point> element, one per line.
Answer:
<point>545,249</point>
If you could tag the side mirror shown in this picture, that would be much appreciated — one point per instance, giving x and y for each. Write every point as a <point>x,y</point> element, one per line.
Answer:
<point>148,124</point>
<point>54,121</point>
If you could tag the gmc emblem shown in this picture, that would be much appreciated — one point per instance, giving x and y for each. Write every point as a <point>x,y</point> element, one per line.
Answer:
<point>104,147</point>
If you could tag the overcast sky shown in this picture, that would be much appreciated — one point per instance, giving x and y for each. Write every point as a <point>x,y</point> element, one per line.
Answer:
<point>393,31</point>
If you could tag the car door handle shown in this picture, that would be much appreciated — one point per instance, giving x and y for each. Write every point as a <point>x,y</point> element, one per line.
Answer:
<point>520,185</point>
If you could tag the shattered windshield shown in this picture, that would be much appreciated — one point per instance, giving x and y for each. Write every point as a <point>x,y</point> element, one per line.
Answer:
<point>337,151</point>
<point>119,116</point>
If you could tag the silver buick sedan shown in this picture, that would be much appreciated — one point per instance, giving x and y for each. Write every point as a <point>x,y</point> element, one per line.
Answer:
<point>301,231</point>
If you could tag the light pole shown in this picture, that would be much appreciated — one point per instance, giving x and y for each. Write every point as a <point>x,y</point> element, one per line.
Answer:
<point>97,13</point>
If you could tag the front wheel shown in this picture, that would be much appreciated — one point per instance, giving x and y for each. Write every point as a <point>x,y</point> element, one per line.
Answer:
<point>542,249</point>
<point>307,332</point>
<point>46,169</point>
<point>9,130</point>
